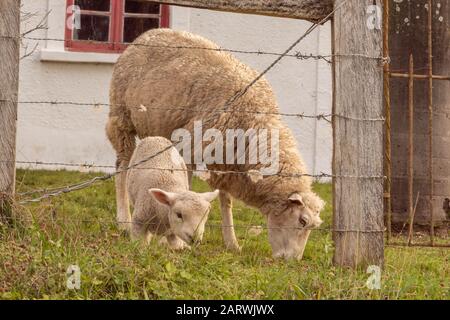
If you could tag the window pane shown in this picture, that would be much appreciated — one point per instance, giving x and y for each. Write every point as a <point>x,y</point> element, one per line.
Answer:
<point>134,27</point>
<point>94,28</point>
<point>94,5</point>
<point>136,6</point>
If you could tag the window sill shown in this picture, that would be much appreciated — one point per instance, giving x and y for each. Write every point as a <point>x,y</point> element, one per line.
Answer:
<point>53,55</point>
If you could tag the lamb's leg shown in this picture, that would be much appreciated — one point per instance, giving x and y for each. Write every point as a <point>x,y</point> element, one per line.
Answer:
<point>123,141</point>
<point>303,240</point>
<point>175,243</point>
<point>229,237</point>
<point>138,229</point>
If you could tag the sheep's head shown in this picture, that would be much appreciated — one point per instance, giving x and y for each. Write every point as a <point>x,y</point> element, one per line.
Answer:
<point>188,212</point>
<point>290,222</point>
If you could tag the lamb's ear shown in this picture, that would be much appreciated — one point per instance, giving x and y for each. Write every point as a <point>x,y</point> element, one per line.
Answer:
<point>296,199</point>
<point>210,196</point>
<point>167,198</point>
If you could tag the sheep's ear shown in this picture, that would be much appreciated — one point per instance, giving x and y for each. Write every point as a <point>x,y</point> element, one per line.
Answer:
<point>296,199</point>
<point>210,196</point>
<point>167,198</point>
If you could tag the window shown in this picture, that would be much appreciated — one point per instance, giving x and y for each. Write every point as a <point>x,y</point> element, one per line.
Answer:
<point>109,25</point>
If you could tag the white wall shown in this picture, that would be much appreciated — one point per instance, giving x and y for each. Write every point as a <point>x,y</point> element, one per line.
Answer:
<point>75,134</point>
<point>54,133</point>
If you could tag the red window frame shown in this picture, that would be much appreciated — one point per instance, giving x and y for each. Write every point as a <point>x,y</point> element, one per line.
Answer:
<point>117,18</point>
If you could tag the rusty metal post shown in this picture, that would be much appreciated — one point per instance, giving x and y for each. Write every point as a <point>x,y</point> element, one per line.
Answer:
<point>411,147</point>
<point>387,101</point>
<point>430,119</point>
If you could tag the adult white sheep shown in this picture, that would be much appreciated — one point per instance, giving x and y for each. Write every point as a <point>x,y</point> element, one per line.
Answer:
<point>175,212</point>
<point>154,85</point>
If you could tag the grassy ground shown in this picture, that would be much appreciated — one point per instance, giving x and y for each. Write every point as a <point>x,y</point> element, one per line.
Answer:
<point>78,228</point>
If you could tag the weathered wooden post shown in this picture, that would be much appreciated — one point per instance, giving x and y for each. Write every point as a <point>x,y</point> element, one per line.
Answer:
<point>312,10</point>
<point>9,87</point>
<point>358,134</point>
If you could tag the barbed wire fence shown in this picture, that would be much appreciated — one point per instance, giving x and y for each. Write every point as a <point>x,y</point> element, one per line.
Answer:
<point>41,194</point>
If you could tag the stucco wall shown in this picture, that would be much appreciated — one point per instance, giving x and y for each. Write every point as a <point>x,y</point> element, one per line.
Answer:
<point>75,134</point>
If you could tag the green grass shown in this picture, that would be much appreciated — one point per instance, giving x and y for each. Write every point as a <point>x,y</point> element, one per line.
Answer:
<point>79,228</point>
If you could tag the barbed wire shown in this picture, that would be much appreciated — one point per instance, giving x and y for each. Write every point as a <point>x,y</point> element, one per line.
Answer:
<point>68,189</point>
<point>90,166</point>
<point>52,192</point>
<point>298,55</point>
<point>256,228</point>
<point>78,186</point>
<point>143,108</point>
<point>208,225</point>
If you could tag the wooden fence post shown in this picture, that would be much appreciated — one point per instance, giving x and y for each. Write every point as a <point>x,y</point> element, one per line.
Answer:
<point>358,144</point>
<point>312,10</point>
<point>9,87</point>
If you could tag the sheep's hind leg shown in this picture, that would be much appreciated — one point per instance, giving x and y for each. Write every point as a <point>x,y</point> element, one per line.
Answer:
<point>124,143</point>
<point>226,206</point>
<point>123,209</point>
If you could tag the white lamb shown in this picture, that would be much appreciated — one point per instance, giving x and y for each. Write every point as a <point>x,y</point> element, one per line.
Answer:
<point>158,189</point>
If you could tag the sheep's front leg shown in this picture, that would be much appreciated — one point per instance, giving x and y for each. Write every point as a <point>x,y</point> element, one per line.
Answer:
<point>226,206</point>
<point>190,176</point>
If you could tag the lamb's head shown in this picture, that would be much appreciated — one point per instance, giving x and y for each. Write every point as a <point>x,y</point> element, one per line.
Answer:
<point>290,221</point>
<point>188,212</point>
